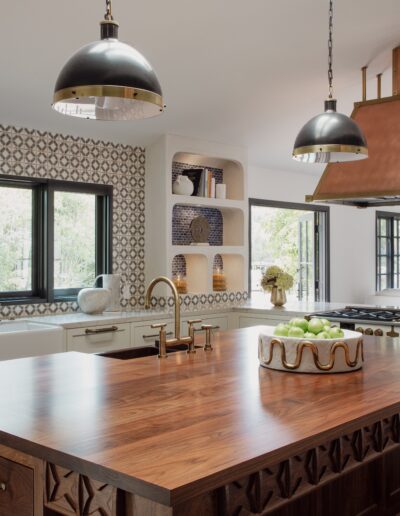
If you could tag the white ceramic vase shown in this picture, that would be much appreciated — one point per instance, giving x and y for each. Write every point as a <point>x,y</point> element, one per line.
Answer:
<point>182,186</point>
<point>94,300</point>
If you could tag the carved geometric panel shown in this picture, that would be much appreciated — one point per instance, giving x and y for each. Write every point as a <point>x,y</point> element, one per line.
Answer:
<point>70,493</point>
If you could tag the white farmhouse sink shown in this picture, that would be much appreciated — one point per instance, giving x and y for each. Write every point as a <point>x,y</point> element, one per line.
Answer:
<point>23,338</point>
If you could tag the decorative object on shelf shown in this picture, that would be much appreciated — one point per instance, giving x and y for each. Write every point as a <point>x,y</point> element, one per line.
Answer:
<point>330,136</point>
<point>219,280</point>
<point>311,356</point>
<point>194,174</point>
<point>180,283</point>
<point>112,282</point>
<point>276,281</point>
<point>94,300</point>
<point>220,191</point>
<point>200,231</point>
<point>108,80</point>
<point>182,186</point>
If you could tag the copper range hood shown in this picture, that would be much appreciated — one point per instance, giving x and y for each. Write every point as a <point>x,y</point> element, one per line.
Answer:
<point>376,180</point>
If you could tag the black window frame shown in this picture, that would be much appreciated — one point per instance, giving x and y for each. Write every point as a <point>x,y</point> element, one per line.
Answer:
<point>43,190</point>
<point>393,271</point>
<point>316,208</point>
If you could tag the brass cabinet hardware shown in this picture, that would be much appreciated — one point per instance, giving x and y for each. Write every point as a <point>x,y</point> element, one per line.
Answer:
<point>109,329</point>
<point>369,331</point>
<point>378,333</point>
<point>3,486</point>
<point>155,335</point>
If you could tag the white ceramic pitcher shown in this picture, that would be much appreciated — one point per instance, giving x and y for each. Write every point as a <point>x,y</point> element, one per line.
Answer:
<point>112,282</point>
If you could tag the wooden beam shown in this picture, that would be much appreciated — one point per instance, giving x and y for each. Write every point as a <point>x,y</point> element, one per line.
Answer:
<point>396,71</point>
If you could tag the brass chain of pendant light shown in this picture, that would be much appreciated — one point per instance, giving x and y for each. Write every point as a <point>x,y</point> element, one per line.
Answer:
<point>330,50</point>
<point>108,15</point>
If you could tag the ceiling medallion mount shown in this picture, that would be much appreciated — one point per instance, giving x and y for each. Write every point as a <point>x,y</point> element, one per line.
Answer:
<point>330,136</point>
<point>108,80</point>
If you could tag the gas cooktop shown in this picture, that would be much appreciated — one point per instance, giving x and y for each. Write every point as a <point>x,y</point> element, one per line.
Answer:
<point>362,314</point>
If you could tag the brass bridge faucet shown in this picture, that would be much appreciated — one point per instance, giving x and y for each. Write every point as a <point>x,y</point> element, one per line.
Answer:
<point>164,342</point>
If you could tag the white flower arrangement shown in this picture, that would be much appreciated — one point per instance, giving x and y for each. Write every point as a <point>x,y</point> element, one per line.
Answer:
<point>274,276</point>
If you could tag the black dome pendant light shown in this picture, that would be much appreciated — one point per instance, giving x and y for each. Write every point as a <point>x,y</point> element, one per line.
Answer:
<point>330,136</point>
<point>108,80</point>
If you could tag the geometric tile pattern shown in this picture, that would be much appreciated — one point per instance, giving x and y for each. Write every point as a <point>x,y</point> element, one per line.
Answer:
<point>205,301</point>
<point>182,217</point>
<point>218,262</point>
<point>32,153</point>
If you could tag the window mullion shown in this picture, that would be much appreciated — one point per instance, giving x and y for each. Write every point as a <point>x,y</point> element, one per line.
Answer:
<point>50,244</point>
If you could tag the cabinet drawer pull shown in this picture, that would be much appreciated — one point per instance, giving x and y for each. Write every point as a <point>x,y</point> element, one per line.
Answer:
<point>156,335</point>
<point>110,329</point>
<point>3,486</point>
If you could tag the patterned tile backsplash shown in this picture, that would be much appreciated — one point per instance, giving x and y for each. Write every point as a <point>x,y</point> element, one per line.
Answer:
<point>26,152</point>
<point>182,216</point>
<point>179,265</point>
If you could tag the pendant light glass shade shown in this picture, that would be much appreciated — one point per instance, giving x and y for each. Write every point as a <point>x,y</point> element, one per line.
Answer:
<point>108,80</point>
<point>330,137</point>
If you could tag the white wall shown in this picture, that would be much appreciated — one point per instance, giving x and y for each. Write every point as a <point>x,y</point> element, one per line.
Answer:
<point>352,232</point>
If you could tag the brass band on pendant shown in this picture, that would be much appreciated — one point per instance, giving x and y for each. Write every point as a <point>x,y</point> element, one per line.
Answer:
<point>301,346</point>
<point>315,149</point>
<point>121,92</point>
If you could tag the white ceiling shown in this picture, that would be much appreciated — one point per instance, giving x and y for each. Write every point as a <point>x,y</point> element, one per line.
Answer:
<point>245,73</point>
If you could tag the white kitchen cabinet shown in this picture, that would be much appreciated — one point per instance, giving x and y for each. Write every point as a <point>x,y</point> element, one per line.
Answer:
<point>220,322</point>
<point>98,339</point>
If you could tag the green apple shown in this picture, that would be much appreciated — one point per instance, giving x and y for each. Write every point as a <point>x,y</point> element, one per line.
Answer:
<point>325,322</point>
<point>336,333</point>
<point>323,335</point>
<point>295,331</point>
<point>326,328</point>
<point>315,326</point>
<point>299,323</point>
<point>281,330</point>
<point>309,335</point>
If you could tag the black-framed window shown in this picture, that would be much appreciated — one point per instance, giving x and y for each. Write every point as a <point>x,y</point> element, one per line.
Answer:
<point>294,236</point>
<point>387,250</point>
<point>55,238</point>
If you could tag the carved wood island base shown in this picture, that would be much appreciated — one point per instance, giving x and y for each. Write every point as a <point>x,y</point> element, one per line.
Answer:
<point>195,435</point>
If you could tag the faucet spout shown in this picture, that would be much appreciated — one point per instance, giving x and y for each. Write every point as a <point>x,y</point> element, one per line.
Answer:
<point>147,305</point>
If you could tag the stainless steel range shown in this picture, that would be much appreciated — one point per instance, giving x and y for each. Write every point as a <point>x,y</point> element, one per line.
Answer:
<point>367,320</point>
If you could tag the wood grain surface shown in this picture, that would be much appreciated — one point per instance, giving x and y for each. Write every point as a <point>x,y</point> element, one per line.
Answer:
<point>172,429</point>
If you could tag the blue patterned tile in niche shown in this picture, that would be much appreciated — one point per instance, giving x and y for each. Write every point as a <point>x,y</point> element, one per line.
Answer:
<point>218,262</point>
<point>179,265</point>
<point>182,216</point>
<point>178,168</point>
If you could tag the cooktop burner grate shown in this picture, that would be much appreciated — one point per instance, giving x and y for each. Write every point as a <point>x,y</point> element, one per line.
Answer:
<point>361,313</point>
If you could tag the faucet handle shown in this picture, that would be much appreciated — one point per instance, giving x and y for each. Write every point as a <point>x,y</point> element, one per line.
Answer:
<point>163,339</point>
<point>207,328</point>
<point>159,325</point>
<point>191,322</point>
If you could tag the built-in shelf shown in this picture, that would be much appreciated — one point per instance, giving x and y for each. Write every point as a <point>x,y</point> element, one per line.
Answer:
<point>166,159</point>
<point>206,202</point>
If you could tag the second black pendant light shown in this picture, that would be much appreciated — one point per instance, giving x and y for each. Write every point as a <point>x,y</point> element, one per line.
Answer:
<point>330,136</point>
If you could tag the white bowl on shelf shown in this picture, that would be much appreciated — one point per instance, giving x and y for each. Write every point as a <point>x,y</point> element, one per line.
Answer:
<point>311,355</point>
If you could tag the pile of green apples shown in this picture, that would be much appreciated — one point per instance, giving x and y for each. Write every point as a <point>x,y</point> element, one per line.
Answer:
<point>312,329</point>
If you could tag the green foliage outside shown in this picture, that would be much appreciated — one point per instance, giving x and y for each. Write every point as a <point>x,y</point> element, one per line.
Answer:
<point>74,240</point>
<point>15,239</point>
